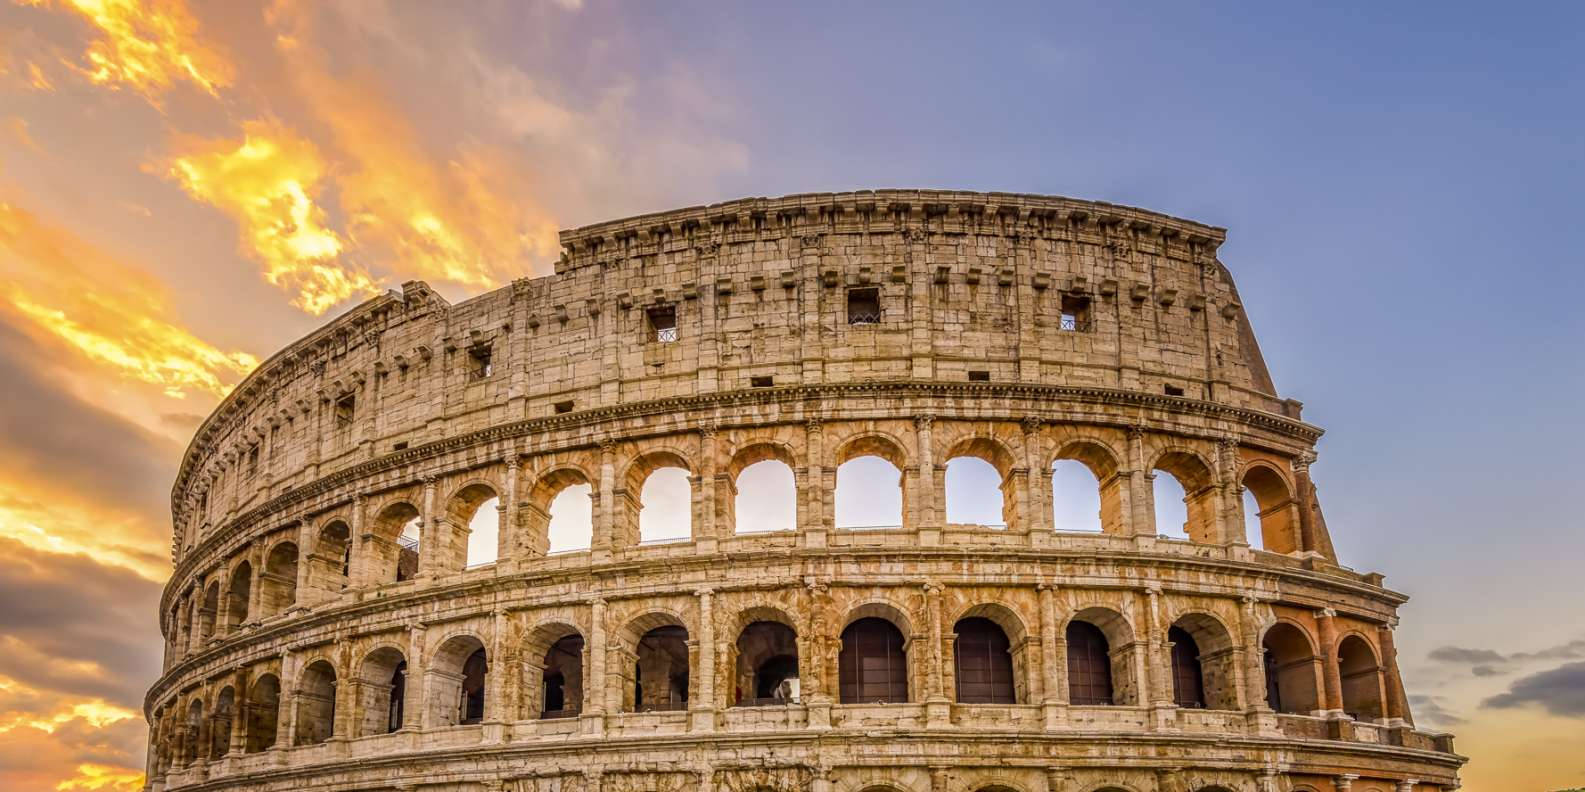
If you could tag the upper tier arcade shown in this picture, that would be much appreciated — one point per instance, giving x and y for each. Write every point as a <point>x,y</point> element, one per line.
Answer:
<point>798,294</point>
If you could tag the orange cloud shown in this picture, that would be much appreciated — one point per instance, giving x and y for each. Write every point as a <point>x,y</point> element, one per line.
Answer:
<point>147,47</point>
<point>96,777</point>
<point>107,312</point>
<point>269,183</point>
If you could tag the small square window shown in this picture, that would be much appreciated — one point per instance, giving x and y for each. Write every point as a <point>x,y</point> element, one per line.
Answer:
<point>1172,390</point>
<point>663,323</point>
<point>761,382</point>
<point>402,446</point>
<point>979,376</point>
<point>864,306</point>
<point>479,365</point>
<point>344,408</point>
<point>563,407</point>
<point>1075,314</point>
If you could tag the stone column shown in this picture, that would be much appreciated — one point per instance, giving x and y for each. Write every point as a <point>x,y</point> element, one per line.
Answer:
<point>1305,500</point>
<point>286,715</point>
<point>1159,663</point>
<point>702,710</point>
<point>938,707</point>
<point>305,540</point>
<point>255,585</point>
<point>1408,784</point>
<point>1058,780</point>
<point>1344,782</point>
<point>605,504</point>
<point>1230,496</point>
<point>431,535</point>
<point>1396,702</point>
<point>1054,681</point>
<point>509,548</point>
<point>596,684</point>
<point>413,702</point>
<point>928,498</point>
<point>1326,624</point>
<point>358,565</point>
<point>1141,519</point>
<point>1035,511</point>
<point>813,518</point>
<point>705,533</point>
<point>239,711</point>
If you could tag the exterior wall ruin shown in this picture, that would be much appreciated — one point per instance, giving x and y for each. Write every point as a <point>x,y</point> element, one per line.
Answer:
<point>312,644</point>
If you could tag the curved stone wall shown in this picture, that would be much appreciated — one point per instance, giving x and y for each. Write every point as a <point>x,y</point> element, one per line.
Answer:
<point>312,644</point>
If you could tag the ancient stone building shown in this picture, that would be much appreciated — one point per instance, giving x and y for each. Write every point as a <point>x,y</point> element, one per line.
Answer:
<point>327,631</point>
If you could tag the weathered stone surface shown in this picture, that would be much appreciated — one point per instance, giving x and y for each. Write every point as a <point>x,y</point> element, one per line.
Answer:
<point>1017,329</point>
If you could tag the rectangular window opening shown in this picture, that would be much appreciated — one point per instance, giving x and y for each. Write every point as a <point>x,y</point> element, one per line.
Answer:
<point>663,323</point>
<point>761,382</point>
<point>563,407</point>
<point>864,306</point>
<point>344,407</point>
<point>979,376</point>
<point>1075,314</point>
<point>253,460</point>
<point>479,365</point>
<point>1172,390</point>
<point>402,446</point>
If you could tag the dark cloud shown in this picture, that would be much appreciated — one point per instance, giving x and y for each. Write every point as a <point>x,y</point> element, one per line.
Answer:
<point>1463,655</point>
<point>51,435</point>
<point>1486,671</point>
<point>1429,711</point>
<point>74,626</point>
<point>1573,650</point>
<point>1559,691</point>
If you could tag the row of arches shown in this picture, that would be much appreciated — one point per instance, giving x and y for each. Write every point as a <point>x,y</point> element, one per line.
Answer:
<point>767,663</point>
<point>758,492</point>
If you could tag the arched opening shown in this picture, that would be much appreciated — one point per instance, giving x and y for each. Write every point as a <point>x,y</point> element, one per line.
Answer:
<point>1204,663</point>
<point>1089,665</point>
<point>392,545</point>
<point>1086,492</point>
<point>1075,497</point>
<point>974,493</point>
<point>316,704</point>
<point>871,489</point>
<point>1273,517</point>
<point>1188,679</point>
<point>1252,532</point>
<point>278,584</point>
<point>765,492</point>
<point>558,515</point>
<point>983,663</point>
<point>1172,513</point>
<point>192,747</point>
<point>456,682</point>
<point>767,665</point>
<point>562,679</point>
<point>220,723</point>
<point>330,564</point>
<point>1361,678</point>
<point>1290,663</point>
<point>666,506</point>
<point>873,664</point>
<point>263,714</point>
<point>382,694</point>
<point>237,595</point>
<point>209,611</point>
<point>660,670</point>
<point>474,517</point>
<point>1185,498</point>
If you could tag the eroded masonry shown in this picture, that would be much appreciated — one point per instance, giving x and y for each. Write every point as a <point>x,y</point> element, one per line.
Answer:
<point>375,588</point>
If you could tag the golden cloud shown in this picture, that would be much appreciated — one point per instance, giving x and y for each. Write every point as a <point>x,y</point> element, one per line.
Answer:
<point>109,313</point>
<point>102,778</point>
<point>268,182</point>
<point>147,46</point>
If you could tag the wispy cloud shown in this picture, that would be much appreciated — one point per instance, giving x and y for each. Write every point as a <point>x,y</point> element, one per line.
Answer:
<point>269,181</point>
<point>1560,691</point>
<point>147,47</point>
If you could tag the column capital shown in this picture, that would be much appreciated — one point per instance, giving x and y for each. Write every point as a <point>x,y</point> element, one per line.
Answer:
<point>923,422</point>
<point>1326,613</point>
<point>429,480</point>
<point>607,445</point>
<point>709,431</point>
<point>1030,424</point>
<point>513,462</point>
<point>812,426</point>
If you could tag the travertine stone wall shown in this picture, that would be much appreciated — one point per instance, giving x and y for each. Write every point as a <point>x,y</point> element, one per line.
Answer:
<point>1017,329</point>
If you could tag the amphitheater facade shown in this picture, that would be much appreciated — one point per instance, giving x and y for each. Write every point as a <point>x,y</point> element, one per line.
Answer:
<point>326,631</point>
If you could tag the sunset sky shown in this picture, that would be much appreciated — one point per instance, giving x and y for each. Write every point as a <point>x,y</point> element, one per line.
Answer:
<point>185,188</point>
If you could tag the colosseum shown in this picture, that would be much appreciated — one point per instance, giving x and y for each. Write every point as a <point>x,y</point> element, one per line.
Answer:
<point>412,550</point>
